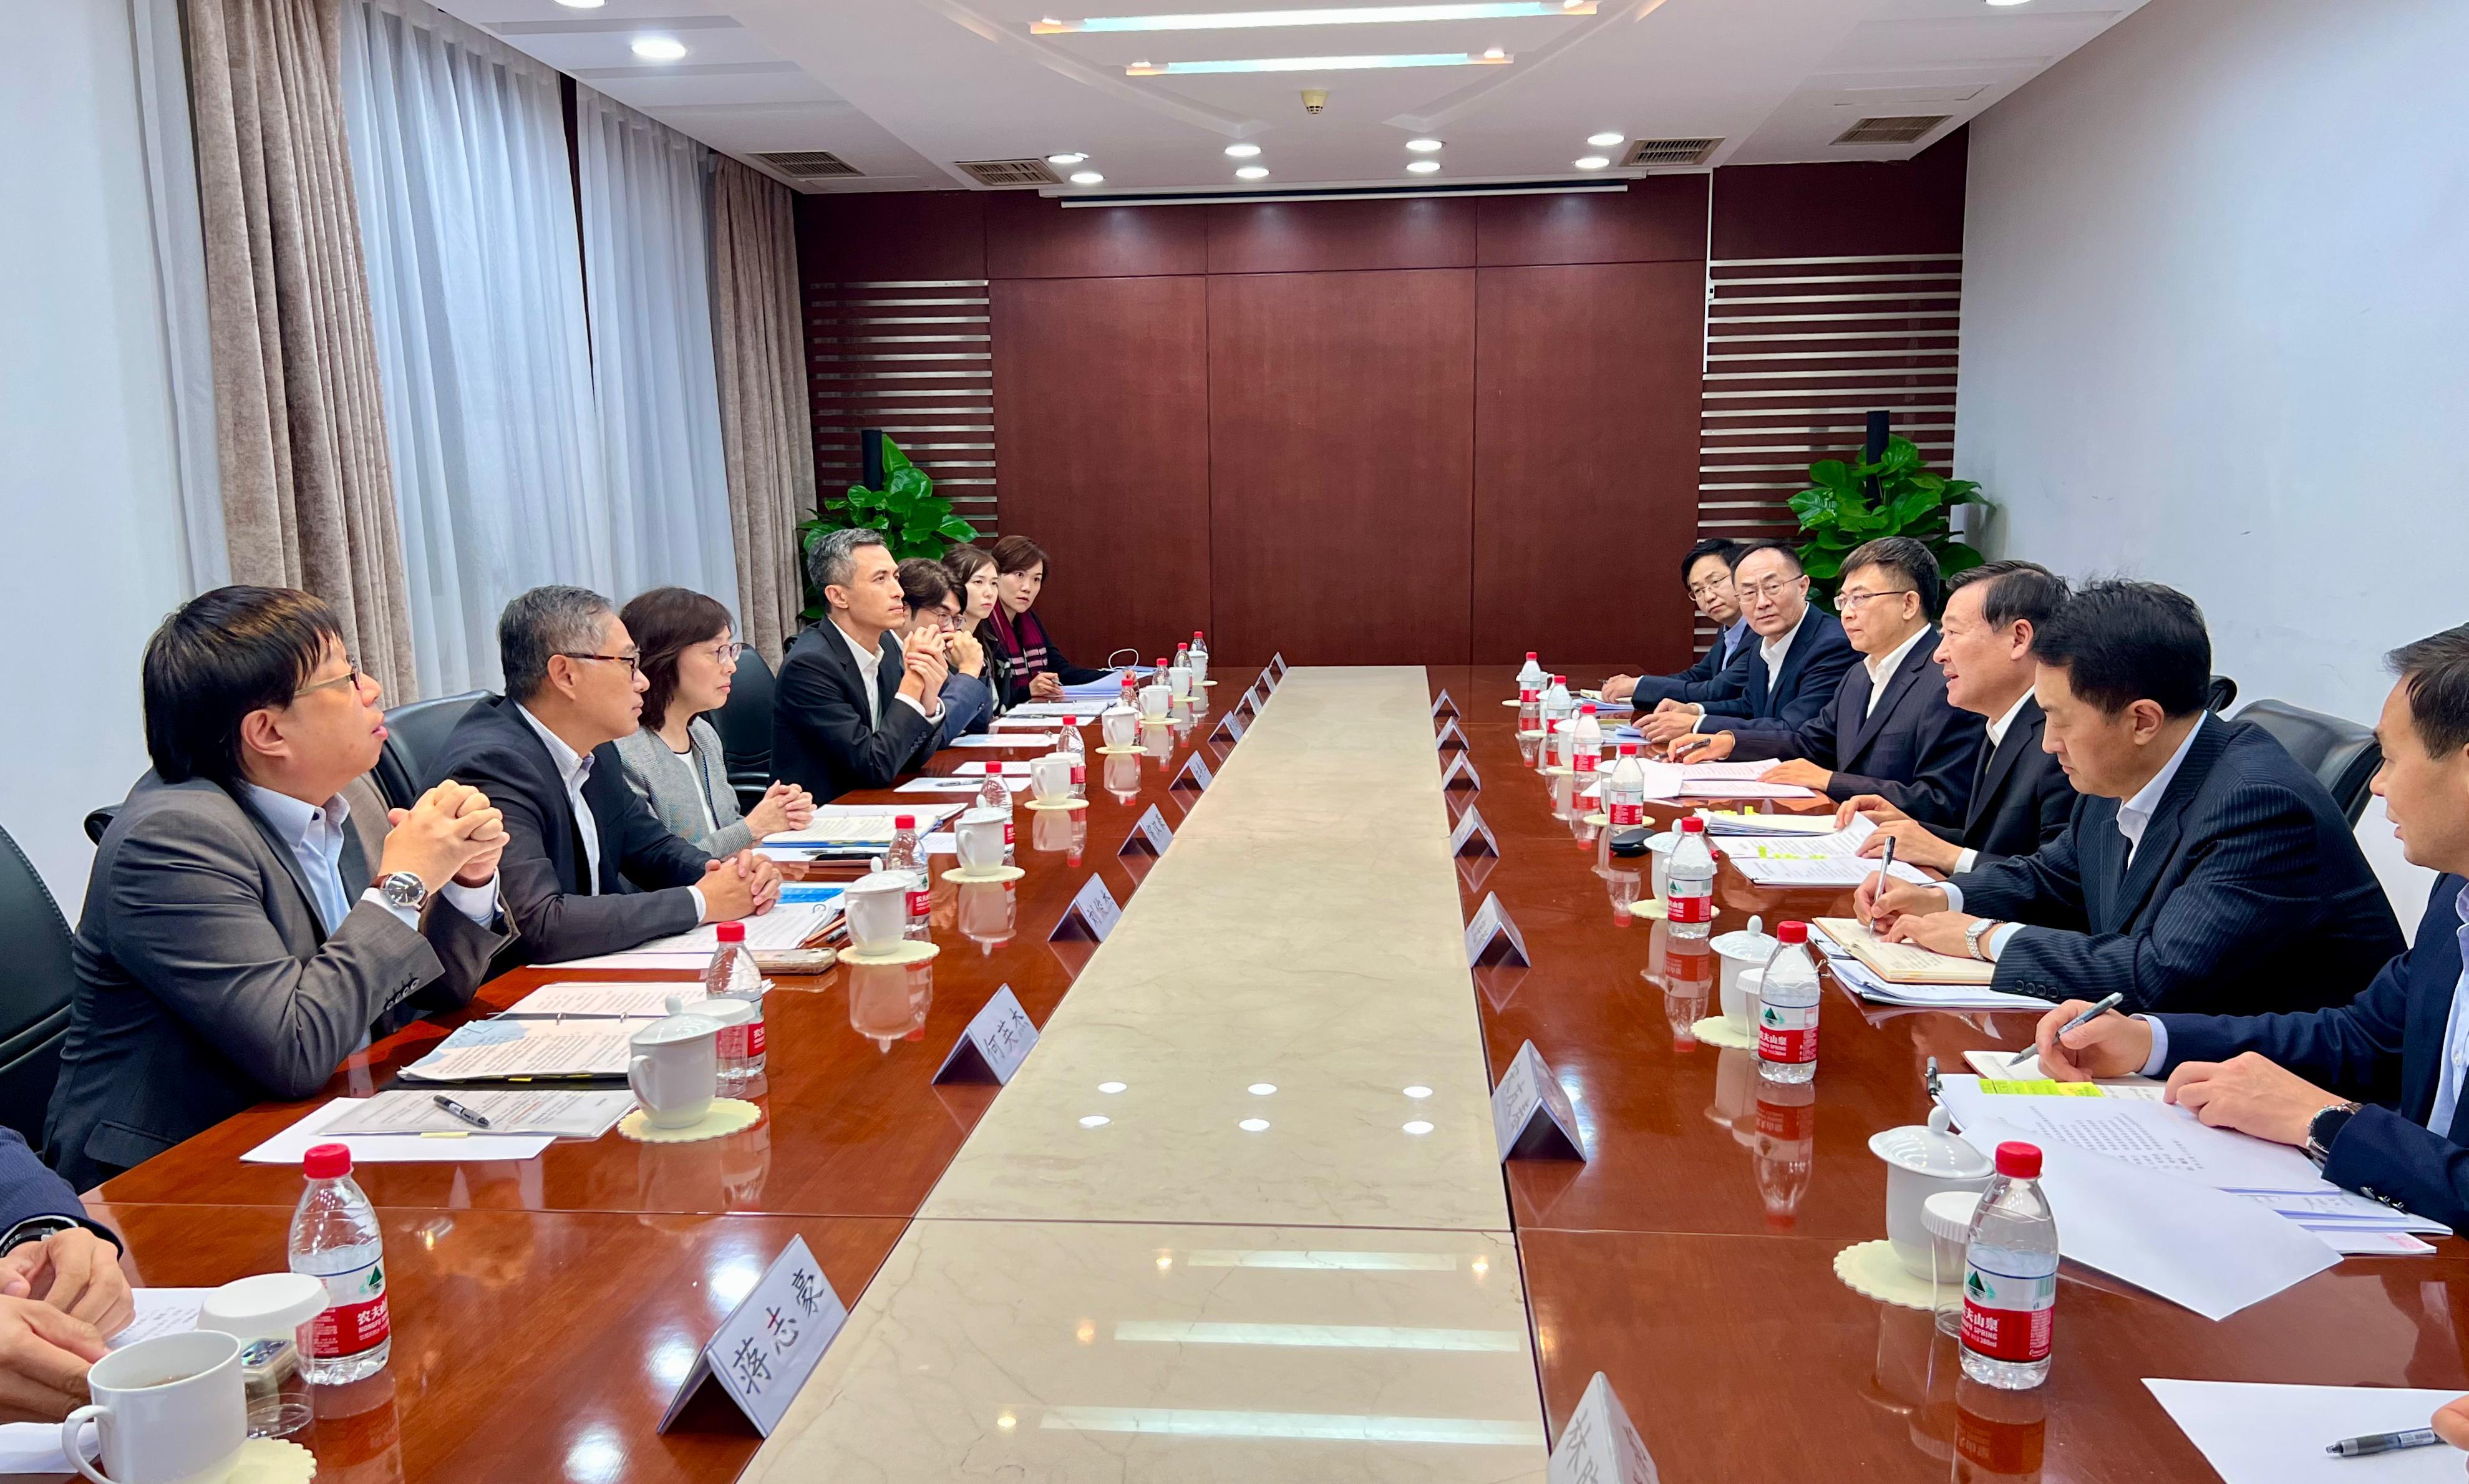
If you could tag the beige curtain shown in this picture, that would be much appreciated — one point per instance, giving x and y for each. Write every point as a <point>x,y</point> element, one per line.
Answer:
<point>300,427</point>
<point>766,432</point>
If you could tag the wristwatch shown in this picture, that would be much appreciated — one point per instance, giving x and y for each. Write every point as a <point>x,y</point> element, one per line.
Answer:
<point>2325,1127</point>
<point>37,1228</point>
<point>1972,935</point>
<point>403,889</point>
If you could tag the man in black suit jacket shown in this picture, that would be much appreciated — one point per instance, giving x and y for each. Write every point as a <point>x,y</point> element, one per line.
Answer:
<point>2202,869</point>
<point>2371,1088</point>
<point>1888,731</point>
<point>852,708</point>
<point>2020,799</point>
<point>1707,571</point>
<point>1789,674</point>
<point>587,869</point>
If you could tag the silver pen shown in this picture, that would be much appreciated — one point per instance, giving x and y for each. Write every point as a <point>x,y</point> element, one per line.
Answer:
<point>1885,863</point>
<point>2106,1004</point>
<point>460,1111</point>
<point>2373,1443</point>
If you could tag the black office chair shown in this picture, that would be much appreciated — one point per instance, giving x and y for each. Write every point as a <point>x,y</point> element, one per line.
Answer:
<point>34,995</point>
<point>416,733</point>
<point>744,723</point>
<point>2224,695</point>
<point>2344,755</point>
<point>97,821</point>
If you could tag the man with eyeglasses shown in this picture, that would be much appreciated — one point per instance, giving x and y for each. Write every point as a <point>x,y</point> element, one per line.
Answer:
<point>1888,731</point>
<point>589,868</point>
<point>1792,671</point>
<point>1721,672</point>
<point>255,915</point>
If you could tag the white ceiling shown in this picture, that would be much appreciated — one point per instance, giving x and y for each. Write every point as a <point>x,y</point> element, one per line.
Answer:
<point>902,89</point>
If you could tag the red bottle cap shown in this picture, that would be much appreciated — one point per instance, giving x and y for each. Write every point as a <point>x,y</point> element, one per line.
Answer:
<point>1628,750</point>
<point>1792,932</point>
<point>1693,825</point>
<point>1588,708</point>
<point>1161,661</point>
<point>2015,1157</point>
<point>332,1160</point>
<point>729,932</point>
<point>904,822</point>
<point>1195,635</point>
<point>1530,653</point>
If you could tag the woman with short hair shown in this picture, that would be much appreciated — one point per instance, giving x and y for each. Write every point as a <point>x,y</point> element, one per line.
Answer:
<point>675,760</point>
<point>1039,670</point>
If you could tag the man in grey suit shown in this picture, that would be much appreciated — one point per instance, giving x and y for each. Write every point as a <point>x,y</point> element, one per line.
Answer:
<point>233,947</point>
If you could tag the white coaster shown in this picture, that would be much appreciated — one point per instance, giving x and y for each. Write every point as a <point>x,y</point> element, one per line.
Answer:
<point>725,1116</point>
<point>1720,1031</point>
<point>1659,909</point>
<point>272,1461</point>
<point>909,951</point>
<point>1872,1271</point>
<point>1120,751</point>
<point>990,873</point>
<point>1058,803</point>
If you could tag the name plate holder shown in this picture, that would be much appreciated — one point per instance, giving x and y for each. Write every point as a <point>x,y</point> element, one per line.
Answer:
<point>769,1344</point>
<point>1450,738</point>
<point>1251,702</point>
<point>1472,836</point>
<point>1230,727</point>
<point>1150,836</point>
<point>998,1041</point>
<point>1493,939</point>
<point>1598,1446</point>
<point>1443,706</point>
<point>1460,772</point>
<point>1530,1114</point>
<point>1092,915</point>
<point>1194,774</point>
<point>1278,667</point>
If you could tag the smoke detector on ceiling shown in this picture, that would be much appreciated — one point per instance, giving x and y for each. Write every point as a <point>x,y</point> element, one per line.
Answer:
<point>1011,172</point>
<point>1315,98</point>
<point>810,164</point>
<point>1910,129</point>
<point>1669,151</point>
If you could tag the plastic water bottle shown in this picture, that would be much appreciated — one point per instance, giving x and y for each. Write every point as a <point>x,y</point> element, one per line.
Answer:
<point>995,794</point>
<point>1131,689</point>
<point>1068,742</point>
<point>1625,796</point>
<point>2009,1276</point>
<point>335,1237</point>
<point>1586,745</point>
<point>908,854</point>
<point>1531,676</point>
<point>1557,713</point>
<point>1690,881</point>
<point>1178,675</point>
<point>1529,708</point>
<point>731,975</point>
<point>1199,658</point>
<point>1787,1008</point>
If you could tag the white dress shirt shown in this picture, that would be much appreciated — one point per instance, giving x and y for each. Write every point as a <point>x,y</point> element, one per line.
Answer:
<point>869,665</point>
<point>1771,651</point>
<point>1997,730</point>
<point>315,834</point>
<point>1881,667</point>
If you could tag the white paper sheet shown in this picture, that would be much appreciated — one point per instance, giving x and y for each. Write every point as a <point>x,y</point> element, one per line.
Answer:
<point>1802,827</point>
<point>2149,1134</point>
<point>858,824</point>
<point>2252,1433</point>
<point>559,1115</point>
<point>963,784</point>
<point>1716,788</point>
<point>785,926</point>
<point>290,1146</point>
<point>603,999</point>
<point>1044,739</point>
<point>1856,977</point>
<point>489,1050</point>
<point>979,770</point>
<point>2025,1067</point>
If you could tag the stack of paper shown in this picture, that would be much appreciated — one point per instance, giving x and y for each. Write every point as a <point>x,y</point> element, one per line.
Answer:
<point>788,925</point>
<point>1033,710</point>
<point>959,783</point>
<point>559,1115</point>
<point>602,999</point>
<point>1736,780</point>
<point>1803,857</point>
<point>1804,827</point>
<point>845,824</point>
<point>1109,687</point>
<point>1919,993</point>
<point>1044,739</point>
<point>504,1050</point>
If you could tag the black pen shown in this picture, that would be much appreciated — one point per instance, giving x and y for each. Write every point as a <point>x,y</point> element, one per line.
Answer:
<point>460,1111</point>
<point>2374,1443</point>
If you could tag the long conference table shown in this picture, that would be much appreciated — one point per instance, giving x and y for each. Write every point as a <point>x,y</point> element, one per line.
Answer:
<point>1240,1216</point>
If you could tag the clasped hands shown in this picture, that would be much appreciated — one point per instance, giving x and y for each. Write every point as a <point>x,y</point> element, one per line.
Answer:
<point>451,833</point>
<point>744,885</point>
<point>58,1298</point>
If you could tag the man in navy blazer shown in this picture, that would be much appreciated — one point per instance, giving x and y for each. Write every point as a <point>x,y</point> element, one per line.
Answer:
<point>1888,731</point>
<point>852,708</point>
<point>2370,1089</point>
<point>1721,671</point>
<point>2202,868</point>
<point>1789,674</point>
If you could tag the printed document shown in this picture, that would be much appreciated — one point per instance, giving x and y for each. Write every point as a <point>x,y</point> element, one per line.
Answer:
<point>2257,1433</point>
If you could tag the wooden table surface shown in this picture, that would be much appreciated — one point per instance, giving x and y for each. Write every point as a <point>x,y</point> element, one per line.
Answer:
<point>544,1309</point>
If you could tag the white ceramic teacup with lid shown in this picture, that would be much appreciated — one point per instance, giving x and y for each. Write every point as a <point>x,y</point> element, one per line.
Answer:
<point>1735,952</point>
<point>1923,1161</point>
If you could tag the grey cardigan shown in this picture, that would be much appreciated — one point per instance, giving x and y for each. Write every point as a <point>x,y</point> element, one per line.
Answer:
<point>670,785</point>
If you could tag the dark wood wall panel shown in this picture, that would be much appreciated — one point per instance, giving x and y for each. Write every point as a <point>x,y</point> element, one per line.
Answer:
<point>1851,210</point>
<point>895,234</point>
<point>1102,409</point>
<point>1031,237</point>
<point>1586,486</point>
<point>1660,218</point>
<point>1341,465</point>
<point>1319,237</point>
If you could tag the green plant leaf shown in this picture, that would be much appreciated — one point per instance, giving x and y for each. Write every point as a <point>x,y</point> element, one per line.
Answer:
<point>1955,556</point>
<point>894,460</point>
<point>1900,457</point>
<point>954,529</point>
<point>1832,474</point>
<point>1822,566</point>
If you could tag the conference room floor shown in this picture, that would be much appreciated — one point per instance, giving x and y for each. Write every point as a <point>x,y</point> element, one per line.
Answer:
<point>1262,1263</point>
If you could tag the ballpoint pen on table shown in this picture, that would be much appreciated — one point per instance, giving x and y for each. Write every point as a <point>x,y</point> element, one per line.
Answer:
<point>2373,1443</point>
<point>459,1112</point>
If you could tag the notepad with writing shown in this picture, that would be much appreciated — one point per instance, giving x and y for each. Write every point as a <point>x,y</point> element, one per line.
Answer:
<point>1903,963</point>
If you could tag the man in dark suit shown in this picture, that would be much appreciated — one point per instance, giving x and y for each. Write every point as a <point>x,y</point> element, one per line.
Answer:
<point>1795,666</point>
<point>2371,1088</point>
<point>232,948</point>
<point>1707,571</point>
<point>587,869</point>
<point>2020,799</point>
<point>2202,869</point>
<point>852,708</point>
<point>1888,731</point>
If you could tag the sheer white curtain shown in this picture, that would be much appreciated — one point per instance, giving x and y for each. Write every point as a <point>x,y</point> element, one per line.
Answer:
<point>467,218</point>
<point>646,238</point>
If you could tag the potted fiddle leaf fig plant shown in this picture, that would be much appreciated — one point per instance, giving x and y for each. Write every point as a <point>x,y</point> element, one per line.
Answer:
<point>914,521</point>
<point>1841,509</point>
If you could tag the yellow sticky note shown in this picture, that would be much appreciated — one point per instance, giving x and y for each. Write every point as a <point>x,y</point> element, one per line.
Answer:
<point>2045,1089</point>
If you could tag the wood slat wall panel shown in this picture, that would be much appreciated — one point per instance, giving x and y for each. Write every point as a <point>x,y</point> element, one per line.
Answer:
<point>914,357</point>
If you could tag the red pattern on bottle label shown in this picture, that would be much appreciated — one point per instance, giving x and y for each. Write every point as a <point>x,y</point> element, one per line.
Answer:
<point>357,1321</point>
<point>921,903</point>
<point>1626,814</point>
<point>2008,1318</point>
<point>1690,909</point>
<point>1008,841</point>
<point>1079,774</point>
<point>1788,1034</point>
<point>730,1044</point>
<point>1586,763</point>
<point>754,1039</point>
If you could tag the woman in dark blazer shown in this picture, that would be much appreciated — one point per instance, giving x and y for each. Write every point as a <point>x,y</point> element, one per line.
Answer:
<point>1039,670</point>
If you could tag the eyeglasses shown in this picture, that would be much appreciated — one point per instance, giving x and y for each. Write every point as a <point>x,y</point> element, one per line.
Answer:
<point>633,663</point>
<point>1856,599</point>
<point>1709,588</point>
<point>1773,590</point>
<point>724,651</point>
<point>351,678</point>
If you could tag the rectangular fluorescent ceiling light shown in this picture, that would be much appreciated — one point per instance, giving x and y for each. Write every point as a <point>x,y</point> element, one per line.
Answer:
<point>1349,15</point>
<point>1319,63</point>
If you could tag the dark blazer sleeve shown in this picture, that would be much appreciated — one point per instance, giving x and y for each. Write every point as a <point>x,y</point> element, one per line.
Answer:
<point>1720,683</point>
<point>1821,678</point>
<point>967,708</point>
<point>1946,747</point>
<point>815,702</point>
<point>29,1189</point>
<point>465,949</point>
<point>1763,736</point>
<point>2391,1158</point>
<point>1070,673</point>
<point>2047,887</point>
<point>648,854</point>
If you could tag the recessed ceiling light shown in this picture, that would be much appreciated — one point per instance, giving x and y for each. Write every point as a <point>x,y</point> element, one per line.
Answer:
<point>1347,15</point>
<point>660,48</point>
<point>1087,177</point>
<point>582,5</point>
<point>1242,152</point>
<point>2006,2</point>
<point>1254,1125</point>
<point>1068,157</point>
<point>1605,140</point>
<point>1149,69</point>
<point>1423,146</point>
<point>1591,162</point>
<point>1421,166</point>
<point>1253,173</point>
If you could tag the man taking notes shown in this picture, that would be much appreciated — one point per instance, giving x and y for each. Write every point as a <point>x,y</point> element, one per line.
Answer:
<point>1800,657</point>
<point>588,869</point>
<point>852,708</point>
<point>1888,731</point>
<point>2371,1088</point>
<point>2020,799</point>
<point>1707,572</point>
<point>2202,869</point>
